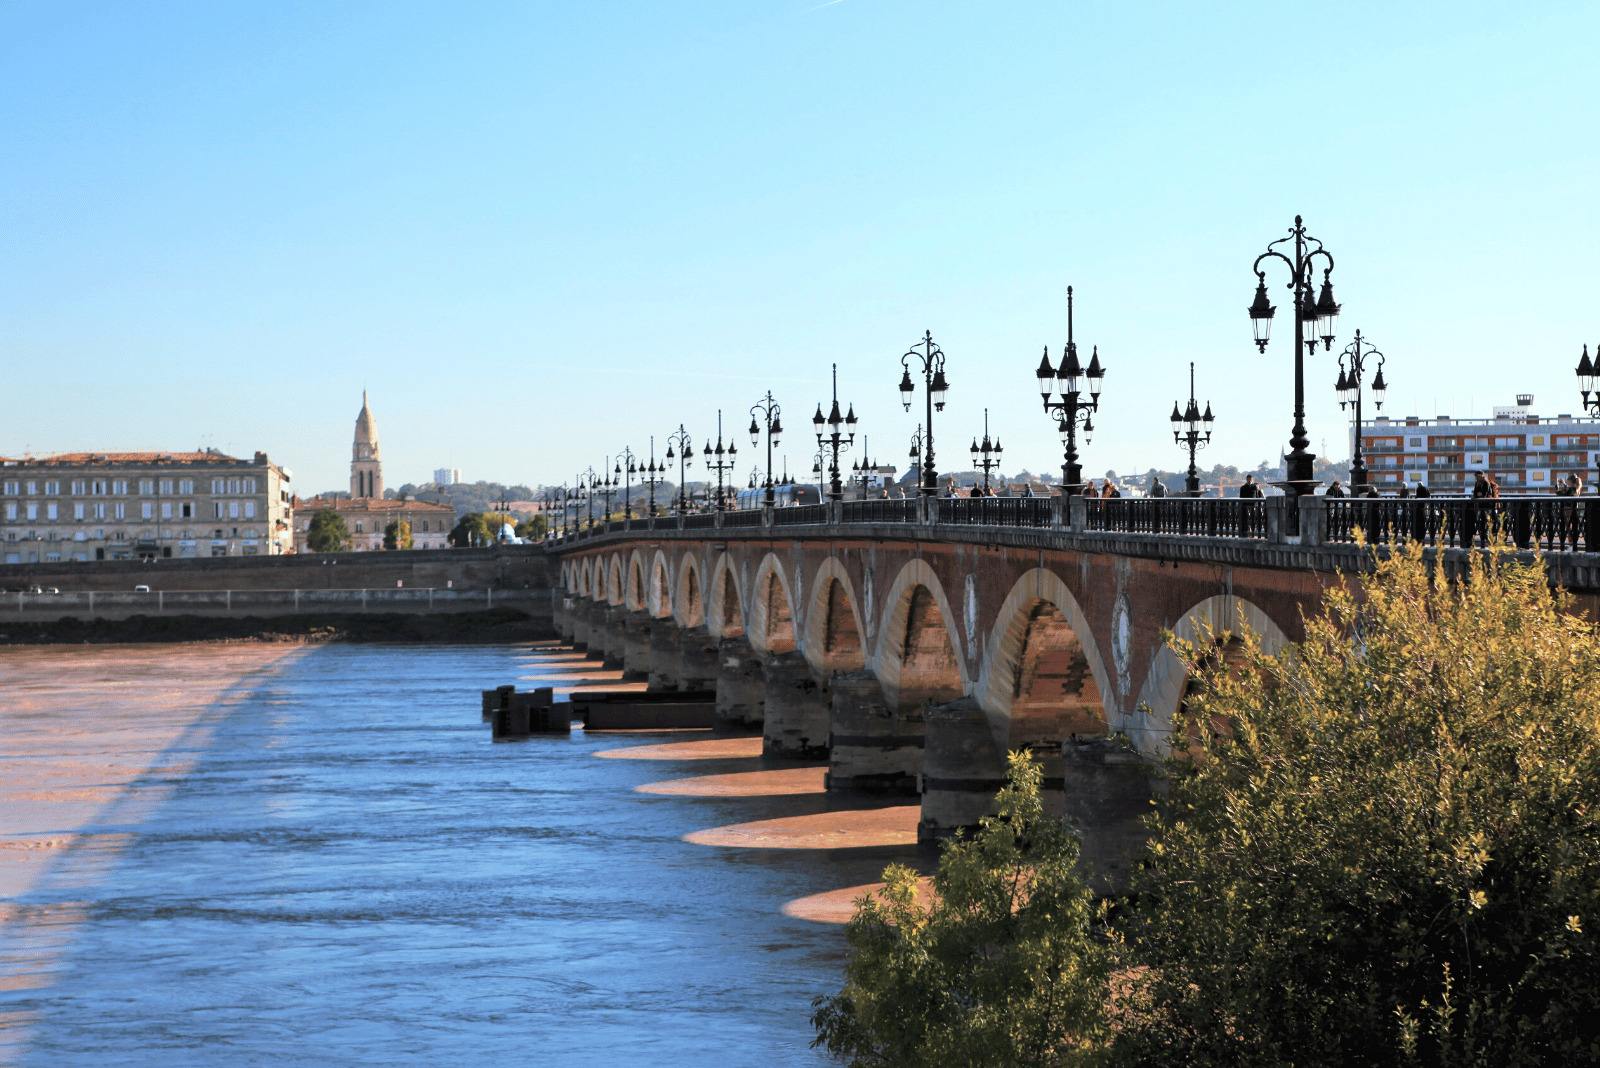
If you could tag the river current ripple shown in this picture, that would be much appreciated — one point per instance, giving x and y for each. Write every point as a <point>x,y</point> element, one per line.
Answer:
<point>341,868</point>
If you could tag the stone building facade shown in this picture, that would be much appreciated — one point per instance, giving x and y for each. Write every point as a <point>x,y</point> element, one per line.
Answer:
<point>83,506</point>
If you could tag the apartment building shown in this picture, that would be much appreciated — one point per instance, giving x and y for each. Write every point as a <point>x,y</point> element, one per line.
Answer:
<point>1526,453</point>
<point>142,505</point>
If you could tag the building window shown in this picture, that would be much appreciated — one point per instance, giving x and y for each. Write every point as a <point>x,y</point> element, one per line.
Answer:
<point>219,486</point>
<point>77,487</point>
<point>120,488</point>
<point>1508,443</point>
<point>99,513</point>
<point>33,511</point>
<point>187,510</point>
<point>186,486</point>
<point>166,509</point>
<point>11,511</point>
<point>33,489</point>
<point>77,512</point>
<point>122,510</point>
<point>52,511</point>
<point>147,486</point>
<point>249,509</point>
<point>249,485</point>
<point>166,486</point>
<point>147,510</point>
<point>98,488</point>
<point>11,489</point>
<point>233,509</point>
<point>358,526</point>
<point>52,489</point>
<point>216,508</point>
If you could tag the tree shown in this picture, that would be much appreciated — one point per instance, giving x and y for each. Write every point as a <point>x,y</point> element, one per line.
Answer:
<point>328,533</point>
<point>533,527</point>
<point>397,535</point>
<point>1386,849</point>
<point>1004,967</point>
<point>474,528</point>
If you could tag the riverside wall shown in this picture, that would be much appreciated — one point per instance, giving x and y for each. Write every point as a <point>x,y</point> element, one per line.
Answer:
<point>90,605</point>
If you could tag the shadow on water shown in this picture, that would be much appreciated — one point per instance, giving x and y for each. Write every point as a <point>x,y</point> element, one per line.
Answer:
<point>351,872</point>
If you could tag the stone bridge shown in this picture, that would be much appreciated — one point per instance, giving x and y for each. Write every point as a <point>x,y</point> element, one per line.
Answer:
<point>912,643</point>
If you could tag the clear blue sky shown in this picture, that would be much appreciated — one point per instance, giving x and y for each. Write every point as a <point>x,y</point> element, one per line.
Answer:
<point>538,233</point>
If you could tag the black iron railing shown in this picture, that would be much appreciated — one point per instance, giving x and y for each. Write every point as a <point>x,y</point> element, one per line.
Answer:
<point>1551,524</point>
<point>997,511</point>
<point>746,517</point>
<point>801,513</point>
<point>694,522</point>
<point>1207,517</point>
<point>892,510</point>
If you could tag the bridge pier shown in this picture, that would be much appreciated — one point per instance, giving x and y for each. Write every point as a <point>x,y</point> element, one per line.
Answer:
<point>871,747</point>
<point>611,636</point>
<point>697,659</point>
<point>666,642</point>
<point>1107,788</point>
<point>561,615</point>
<point>796,723</point>
<point>741,683</point>
<point>636,645</point>
<point>962,769</point>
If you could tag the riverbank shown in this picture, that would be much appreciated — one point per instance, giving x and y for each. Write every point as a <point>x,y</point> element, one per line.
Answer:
<point>495,626</point>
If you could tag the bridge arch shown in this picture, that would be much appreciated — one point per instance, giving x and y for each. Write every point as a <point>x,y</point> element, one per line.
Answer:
<point>724,609</point>
<point>1043,678</point>
<point>918,655</point>
<point>771,626</point>
<point>688,601</point>
<point>1166,683</point>
<point>614,580</point>
<point>658,600</point>
<point>832,636</point>
<point>634,589</point>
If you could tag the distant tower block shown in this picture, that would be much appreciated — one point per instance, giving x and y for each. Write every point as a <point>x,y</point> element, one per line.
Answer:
<point>447,476</point>
<point>366,468</point>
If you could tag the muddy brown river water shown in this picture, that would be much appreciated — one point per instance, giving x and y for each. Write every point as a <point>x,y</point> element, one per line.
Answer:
<point>284,855</point>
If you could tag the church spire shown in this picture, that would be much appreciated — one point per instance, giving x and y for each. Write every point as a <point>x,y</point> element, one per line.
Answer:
<point>366,466</point>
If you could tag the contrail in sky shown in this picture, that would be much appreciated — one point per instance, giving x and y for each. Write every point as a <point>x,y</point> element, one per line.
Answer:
<point>819,7</point>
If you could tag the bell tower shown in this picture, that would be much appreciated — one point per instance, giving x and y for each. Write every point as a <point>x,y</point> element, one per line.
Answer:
<point>366,469</point>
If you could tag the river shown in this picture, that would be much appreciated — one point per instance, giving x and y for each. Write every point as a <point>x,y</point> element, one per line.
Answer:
<point>280,855</point>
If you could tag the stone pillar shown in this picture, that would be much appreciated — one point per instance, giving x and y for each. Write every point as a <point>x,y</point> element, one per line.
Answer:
<point>665,643</point>
<point>796,724</point>
<point>962,769</point>
<point>583,625</point>
<point>697,659</point>
<point>636,627</point>
<point>1108,787</point>
<point>871,747</point>
<point>611,635</point>
<point>741,684</point>
<point>565,604</point>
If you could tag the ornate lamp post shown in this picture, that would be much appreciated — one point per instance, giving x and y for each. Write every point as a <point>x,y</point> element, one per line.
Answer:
<point>607,487</point>
<point>862,469</point>
<point>916,452</point>
<point>1191,430</point>
<point>933,381</point>
<point>1316,315</point>
<point>627,467</point>
<point>834,441</point>
<point>653,474</point>
<point>1071,381</point>
<point>685,456</point>
<point>1349,387</point>
<point>986,457</point>
<point>504,505</point>
<point>720,460</point>
<point>772,422</point>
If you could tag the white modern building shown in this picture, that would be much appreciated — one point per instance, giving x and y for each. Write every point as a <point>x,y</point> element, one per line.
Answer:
<point>1526,453</point>
<point>447,476</point>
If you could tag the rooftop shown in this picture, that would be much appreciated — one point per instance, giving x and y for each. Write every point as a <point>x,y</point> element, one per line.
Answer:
<point>85,459</point>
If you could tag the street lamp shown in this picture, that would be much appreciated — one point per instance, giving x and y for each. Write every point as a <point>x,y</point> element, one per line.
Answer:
<point>834,440</point>
<point>862,469</point>
<point>1316,315</point>
<point>772,421</point>
<point>504,504</point>
<point>1349,387</point>
<point>653,474</point>
<point>916,450</point>
<point>685,456</point>
<point>1071,381</point>
<point>1191,430</point>
<point>606,486</point>
<point>720,460</point>
<point>627,468</point>
<point>932,359</point>
<point>986,457</point>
